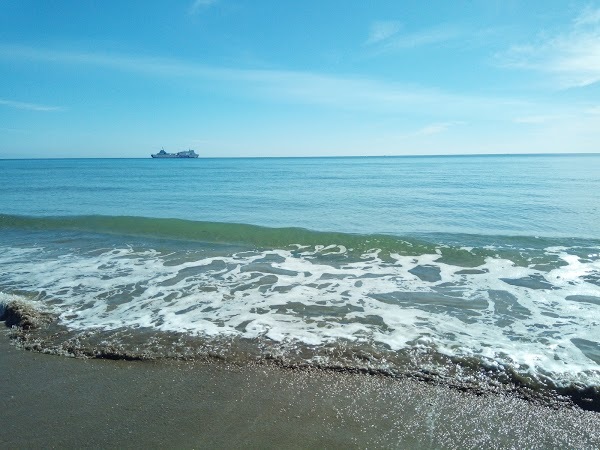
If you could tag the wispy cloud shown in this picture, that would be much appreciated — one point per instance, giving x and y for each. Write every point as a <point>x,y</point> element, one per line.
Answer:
<point>437,128</point>
<point>571,57</point>
<point>28,106</point>
<point>198,5</point>
<point>594,110</point>
<point>382,30</point>
<point>300,86</point>
<point>535,120</point>
<point>345,92</point>
<point>589,15</point>
<point>426,37</point>
<point>386,36</point>
<point>12,130</point>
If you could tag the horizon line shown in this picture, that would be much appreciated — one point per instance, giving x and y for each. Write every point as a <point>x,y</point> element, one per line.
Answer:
<point>416,155</point>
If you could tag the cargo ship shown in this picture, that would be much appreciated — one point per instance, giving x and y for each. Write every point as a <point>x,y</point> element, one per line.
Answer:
<point>183,154</point>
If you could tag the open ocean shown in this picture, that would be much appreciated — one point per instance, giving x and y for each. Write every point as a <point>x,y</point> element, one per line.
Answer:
<point>481,272</point>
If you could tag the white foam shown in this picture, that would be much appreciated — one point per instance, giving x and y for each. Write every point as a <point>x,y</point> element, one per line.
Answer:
<point>218,296</point>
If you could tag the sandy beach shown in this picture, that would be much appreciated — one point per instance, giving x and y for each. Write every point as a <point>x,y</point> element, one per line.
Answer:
<point>51,401</point>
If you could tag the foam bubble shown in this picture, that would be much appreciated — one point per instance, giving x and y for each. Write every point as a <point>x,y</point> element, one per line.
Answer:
<point>507,314</point>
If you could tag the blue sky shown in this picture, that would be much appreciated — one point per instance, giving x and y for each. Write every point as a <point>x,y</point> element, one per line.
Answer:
<point>290,78</point>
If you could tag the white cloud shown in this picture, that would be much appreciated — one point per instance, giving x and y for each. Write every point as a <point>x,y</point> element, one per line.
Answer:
<point>572,56</point>
<point>437,128</point>
<point>534,120</point>
<point>28,106</point>
<point>589,16</point>
<point>382,30</point>
<point>426,37</point>
<point>594,110</point>
<point>12,130</point>
<point>348,92</point>
<point>197,5</point>
<point>342,92</point>
<point>385,37</point>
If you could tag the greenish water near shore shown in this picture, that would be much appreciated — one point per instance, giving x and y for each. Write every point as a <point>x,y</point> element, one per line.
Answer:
<point>482,272</point>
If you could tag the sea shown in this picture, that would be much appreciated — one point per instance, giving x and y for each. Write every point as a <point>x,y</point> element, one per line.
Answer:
<point>479,272</point>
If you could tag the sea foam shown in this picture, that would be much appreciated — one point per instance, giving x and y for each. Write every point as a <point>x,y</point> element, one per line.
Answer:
<point>499,312</point>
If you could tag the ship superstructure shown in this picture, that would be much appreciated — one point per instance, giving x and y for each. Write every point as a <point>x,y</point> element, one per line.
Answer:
<point>183,154</point>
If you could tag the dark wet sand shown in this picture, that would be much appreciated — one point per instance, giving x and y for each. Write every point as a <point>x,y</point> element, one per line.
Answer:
<point>51,401</point>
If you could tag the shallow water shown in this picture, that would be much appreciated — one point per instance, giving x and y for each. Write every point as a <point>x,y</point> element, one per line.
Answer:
<point>484,269</point>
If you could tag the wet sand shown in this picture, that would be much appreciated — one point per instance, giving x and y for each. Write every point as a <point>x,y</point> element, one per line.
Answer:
<point>51,401</point>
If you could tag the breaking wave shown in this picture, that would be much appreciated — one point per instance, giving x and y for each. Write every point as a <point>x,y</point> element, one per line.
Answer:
<point>518,311</point>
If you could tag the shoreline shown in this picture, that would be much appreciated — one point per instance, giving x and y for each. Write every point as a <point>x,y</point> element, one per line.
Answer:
<point>54,401</point>
<point>38,331</point>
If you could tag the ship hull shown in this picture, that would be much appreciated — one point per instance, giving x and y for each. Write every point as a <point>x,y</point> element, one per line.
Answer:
<point>186,155</point>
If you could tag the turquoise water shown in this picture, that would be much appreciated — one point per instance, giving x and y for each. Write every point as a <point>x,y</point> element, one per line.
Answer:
<point>503,195</point>
<point>458,266</point>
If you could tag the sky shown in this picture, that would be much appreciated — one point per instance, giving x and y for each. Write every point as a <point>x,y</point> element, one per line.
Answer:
<point>230,78</point>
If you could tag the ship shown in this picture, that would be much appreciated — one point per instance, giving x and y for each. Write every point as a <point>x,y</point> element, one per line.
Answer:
<point>183,154</point>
